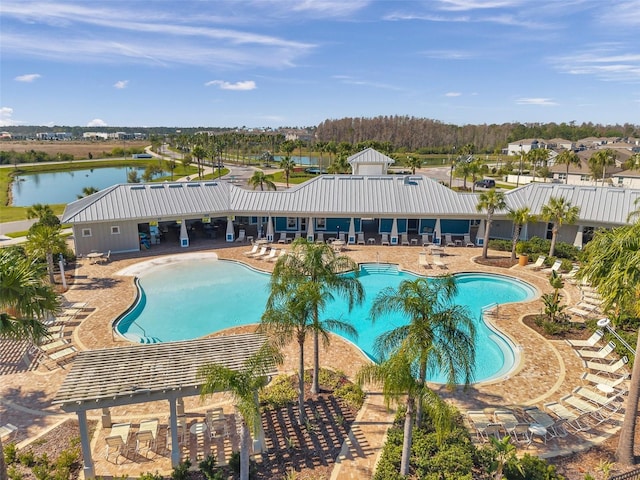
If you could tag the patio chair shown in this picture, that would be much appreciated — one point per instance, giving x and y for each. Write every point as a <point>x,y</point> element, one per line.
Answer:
<point>105,259</point>
<point>596,398</point>
<point>147,435</point>
<point>62,356</point>
<point>615,368</point>
<point>242,236</point>
<point>437,261</point>
<point>585,310</point>
<point>467,241</point>
<point>597,354</point>
<point>261,253</point>
<point>271,256</point>
<point>51,347</point>
<point>8,430</point>
<point>422,260</point>
<point>253,250</point>
<point>118,439</point>
<point>404,239</point>
<point>590,342</point>
<point>554,268</point>
<point>555,428</point>
<point>384,239</point>
<point>600,380</point>
<point>521,434</point>
<point>361,239</point>
<point>479,421</point>
<point>342,237</point>
<point>448,240</point>
<point>283,237</point>
<point>576,422</point>
<point>425,239</point>
<point>539,263</point>
<point>320,237</point>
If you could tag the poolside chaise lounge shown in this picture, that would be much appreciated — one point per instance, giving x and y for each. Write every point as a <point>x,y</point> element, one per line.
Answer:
<point>555,428</point>
<point>61,356</point>
<point>384,239</point>
<point>320,238</point>
<point>590,342</point>
<point>518,431</point>
<point>467,241</point>
<point>612,403</point>
<point>425,240</point>
<point>448,240</point>
<point>271,255</point>
<point>483,425</point>
<point>539,263</point>
<point>437,261</point>
<point>616,367</point>
<point>405,239</point>
<point>147,435</point>
<point>117,441</point>
<point>576,422</point>
<point>283,237</point>
<point>585,310</point>
<point>242,236</point>
<point>597,354</point>
<point>253,250</point>
<point>360,239</point>
<point>422,260</point>
<point>554,268</point>
<point>261,253</point>
<point>273,258</point>
<point>608,381</point>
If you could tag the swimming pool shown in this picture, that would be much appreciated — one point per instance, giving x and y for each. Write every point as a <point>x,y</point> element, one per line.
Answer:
<point>191,298</point>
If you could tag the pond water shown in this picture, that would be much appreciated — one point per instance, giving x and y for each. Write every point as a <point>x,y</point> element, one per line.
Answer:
<point>64,187</point>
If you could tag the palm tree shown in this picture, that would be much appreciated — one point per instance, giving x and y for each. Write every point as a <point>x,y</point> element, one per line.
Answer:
<point>463,169</point>
<point>538,156</point>
<point>43,213</point>
<point>398,379</point>
<point>475,168</point>
<point>599,162</point>
<point>25,301</point>
<point>440,336</point>
<point>287,165</point>
<point>320,270</point>
<point>520,217</point>
<point>244,385</point>
<point>43,242</point>
<point>291,317</point>
<point>260,179</point>
<point>199,152</point>
<point>612,265</point>
<point>413,162</point>
<point>558,211</point>
<point>490,201</point>
<point>568,158</point>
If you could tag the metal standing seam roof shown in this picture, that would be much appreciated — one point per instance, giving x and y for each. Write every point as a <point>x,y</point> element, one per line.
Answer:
<point>370,155</point>
<point>150,372</point>
<point>381,196</point>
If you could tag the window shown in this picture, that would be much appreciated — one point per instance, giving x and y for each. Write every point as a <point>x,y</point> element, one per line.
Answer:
<point>549,231</point>
<point>115,230</point>
<point>321,223</point>
<point>86,232</point>
<point>292,223</point>
<point>562,176</point>
<point>585,178</point>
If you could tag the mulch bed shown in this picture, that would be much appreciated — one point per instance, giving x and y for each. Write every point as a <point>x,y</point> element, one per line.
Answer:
<point>493,261</point>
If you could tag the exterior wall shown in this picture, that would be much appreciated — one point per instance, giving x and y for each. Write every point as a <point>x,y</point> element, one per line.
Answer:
<point>628,182</point>
<point>369,169</point>
<point>102,239</point>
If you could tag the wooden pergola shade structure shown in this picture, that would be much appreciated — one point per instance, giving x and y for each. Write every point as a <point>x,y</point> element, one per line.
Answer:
<point>100,379</point>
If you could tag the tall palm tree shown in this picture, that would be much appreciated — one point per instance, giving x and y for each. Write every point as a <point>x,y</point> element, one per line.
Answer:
<point>287,165</point>
<point>399,383</point>
<point>440,336</point>
<point>321,271</point>
<point>463,170</point>
<point>260,179</point>
<point>86,191</point>
<point>612,265</point>
<point>558,211</point>
<point>568,158</point>
<point>538,156</point>
<point>43,213</point>
<point>413,162</point>
<point>520,217</point>
<point>26,299</point>
<point>244,385</point>
<point>600,160</point>
<point>43,242</point>
<point>490,201</point>
<point>199,152</point>
<point>291,317</point>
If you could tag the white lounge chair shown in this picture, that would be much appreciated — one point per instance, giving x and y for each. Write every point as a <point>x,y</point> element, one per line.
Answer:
<point>590,342</point>
<point>253,250</point>
<point>555,428</point>
<point>283,237</point>
<point>437,261</point>
<point>575,421</point>
<point>554,268</point>
<point>262,252</point>
<point>425,239</point>
<point>585,310</point>
<point>242,236</point>
<point>320,238</point>
<point>539,263</point>
<point>271,256</point>
<point>61,356</point>
<point>147,435</point>
<point>360,239</point>
<point>509,422</point>
<point>422,260</point>
<point>482,424</point>
<point>404,239</point>
<point>448,240</point>
<point>467,241</point>
<point>615,368</point>
<point>597,354</point>
<point>117,441</point>
<point>384,239</point>
<point>598,399</point>
<point>608,381</point>
<point>8,430</point>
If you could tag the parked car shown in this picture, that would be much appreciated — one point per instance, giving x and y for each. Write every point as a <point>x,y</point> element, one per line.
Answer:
<point>486,183</point>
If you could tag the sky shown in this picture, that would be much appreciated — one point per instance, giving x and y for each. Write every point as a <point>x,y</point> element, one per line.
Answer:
<point>277,63</point>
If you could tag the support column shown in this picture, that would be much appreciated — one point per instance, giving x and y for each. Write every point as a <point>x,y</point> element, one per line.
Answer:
<point>173,427</point>
<point>179,406</point>
<point>106,418</point>
<point>86,445</point>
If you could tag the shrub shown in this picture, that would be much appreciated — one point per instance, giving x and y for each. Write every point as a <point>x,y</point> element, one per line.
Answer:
<point>26,458</point>
<point>181,471</point>
<point>207,466</point>
<point>331,379</point>
<point>234,464</point>
<point>352,394</point>
<point>281,392</point>
<point>500,245</point>
<point>531,468</point>
<point>151,476</point>
<point>10,453</point>
<point>14,474</point>
<point>41,472</point>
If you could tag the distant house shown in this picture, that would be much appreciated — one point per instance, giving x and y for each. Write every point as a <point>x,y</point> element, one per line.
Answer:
<point>581,175</point>
<point>370,162</point>
<point>561,144</point>
<point>524,146</point>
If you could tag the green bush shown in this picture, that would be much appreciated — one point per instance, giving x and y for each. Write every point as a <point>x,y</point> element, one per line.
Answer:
<point>234,464</point>
<point>181,471</point>
<point>151,476</point>
<point>208,467</point>
<point>41,472</point>
<point>500,245</point>
<point>531,468</point>
<point>27,458</point>
<point>10,453</point>
<point>331,379</point>
<point>14,474</point>
<point>352,394</point>
<point>282,391</point>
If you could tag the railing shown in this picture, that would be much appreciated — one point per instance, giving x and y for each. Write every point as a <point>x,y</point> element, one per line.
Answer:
<point>632,475</point>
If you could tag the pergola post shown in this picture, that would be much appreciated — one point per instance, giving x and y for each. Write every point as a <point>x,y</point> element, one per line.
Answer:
<point>106,418</point>
<point>86,445</point>
<point>173,427</point>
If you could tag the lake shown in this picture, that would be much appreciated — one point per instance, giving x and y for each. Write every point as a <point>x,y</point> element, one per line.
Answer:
<point>64,187</point>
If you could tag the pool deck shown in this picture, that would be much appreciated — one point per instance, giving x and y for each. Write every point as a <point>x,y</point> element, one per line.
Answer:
<point>546,371</point>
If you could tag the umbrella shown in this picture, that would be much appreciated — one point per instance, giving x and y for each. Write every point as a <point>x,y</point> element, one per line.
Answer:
<point>310,232</point>
<point>352,232</point>
<point>230,230</point>
<point>394,232</point>
<point>184,237</point>
<point>480,234</point>
<point>578,241</point>
<point>269,230</point>
<point>437,234</point>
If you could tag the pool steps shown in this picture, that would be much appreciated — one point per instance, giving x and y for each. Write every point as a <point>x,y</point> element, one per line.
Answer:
<point>379,268</point>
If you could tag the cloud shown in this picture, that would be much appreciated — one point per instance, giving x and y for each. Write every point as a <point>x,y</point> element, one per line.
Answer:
<point>447,54</point>
<point>120,84</point>
<point>452,94</point>
<point>608,62</point>
<point>27,78</point>
<point>547,102</point>
<point>465,5</point>
<point>246,85</point>
<point>347,80</point>
<point>97,122</point>
<point>6,120</point>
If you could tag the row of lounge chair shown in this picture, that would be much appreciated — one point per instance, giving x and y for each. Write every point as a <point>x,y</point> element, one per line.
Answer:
<point>260,253</point>
<point>120,436</point>
<point>437,261</point>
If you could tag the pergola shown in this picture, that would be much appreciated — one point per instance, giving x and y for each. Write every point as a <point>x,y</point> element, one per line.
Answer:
<point>100,379</point>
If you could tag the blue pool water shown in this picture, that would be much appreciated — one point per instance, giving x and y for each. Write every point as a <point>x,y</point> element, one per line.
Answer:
<point>192,298</point>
